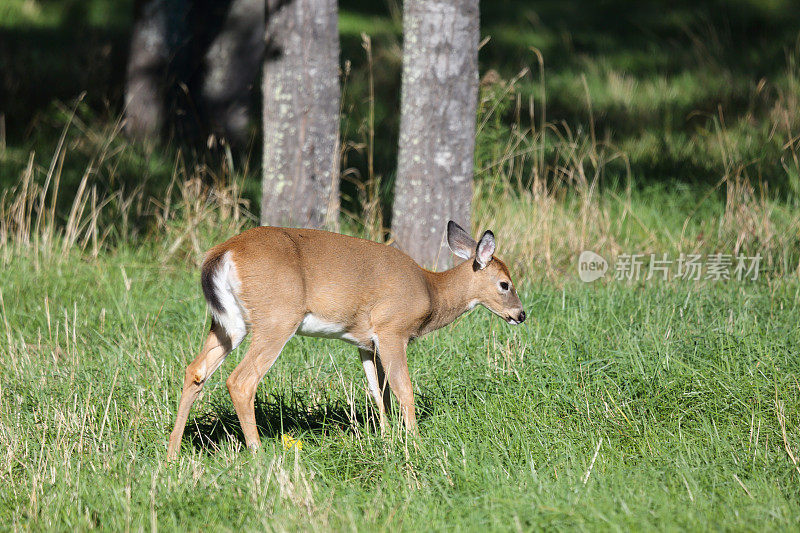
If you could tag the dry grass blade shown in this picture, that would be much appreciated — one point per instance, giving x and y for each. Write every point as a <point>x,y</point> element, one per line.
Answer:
<point>779,411</point>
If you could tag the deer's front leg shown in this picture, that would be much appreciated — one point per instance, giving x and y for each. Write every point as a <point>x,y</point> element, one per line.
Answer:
<point>392,353</point>
<point>376,379</point>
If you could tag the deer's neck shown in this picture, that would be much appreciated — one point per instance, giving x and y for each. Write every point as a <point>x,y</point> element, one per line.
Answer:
<point>451,295</point>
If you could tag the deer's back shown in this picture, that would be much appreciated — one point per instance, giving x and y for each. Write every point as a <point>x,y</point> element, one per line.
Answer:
<point>336,278</point>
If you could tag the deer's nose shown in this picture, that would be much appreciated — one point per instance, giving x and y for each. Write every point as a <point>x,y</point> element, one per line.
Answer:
<point>521,317</point>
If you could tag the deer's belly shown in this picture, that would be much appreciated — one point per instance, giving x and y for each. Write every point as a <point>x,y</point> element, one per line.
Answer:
<point>313,326</point>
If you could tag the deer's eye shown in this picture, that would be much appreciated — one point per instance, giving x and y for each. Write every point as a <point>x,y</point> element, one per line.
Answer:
<point>503,285</point>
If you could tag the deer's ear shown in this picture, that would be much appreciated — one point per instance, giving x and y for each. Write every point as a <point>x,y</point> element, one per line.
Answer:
<point>459,241</point>
<point>485,249</point>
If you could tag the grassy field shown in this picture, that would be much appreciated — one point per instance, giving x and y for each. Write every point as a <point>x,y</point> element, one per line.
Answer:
<point>645,405</point>
<point>615,406</point>
<point>659,128</point>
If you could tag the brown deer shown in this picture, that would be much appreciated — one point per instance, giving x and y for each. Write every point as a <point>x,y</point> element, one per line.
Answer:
<point>281,282</point>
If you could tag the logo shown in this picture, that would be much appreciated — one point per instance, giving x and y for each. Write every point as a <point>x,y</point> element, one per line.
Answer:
<point>591,266</point>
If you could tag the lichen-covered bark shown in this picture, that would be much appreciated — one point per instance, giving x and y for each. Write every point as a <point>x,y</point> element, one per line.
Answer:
<point>437,125</point>
<point>157,33</point>
<point>300,186</point>
<point>232,64</point>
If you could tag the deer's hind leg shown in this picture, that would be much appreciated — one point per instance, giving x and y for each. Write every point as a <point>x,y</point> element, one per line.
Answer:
<point>217,346</point>
<point>266,346</point>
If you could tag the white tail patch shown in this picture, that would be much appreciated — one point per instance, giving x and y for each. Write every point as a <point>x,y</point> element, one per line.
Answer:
<point>232,315</point>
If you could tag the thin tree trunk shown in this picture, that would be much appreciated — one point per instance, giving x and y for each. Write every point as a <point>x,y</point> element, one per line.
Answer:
<point>157,33</point>
<point>437,125</point>
<point>232,64</point>
<point>301,94</point>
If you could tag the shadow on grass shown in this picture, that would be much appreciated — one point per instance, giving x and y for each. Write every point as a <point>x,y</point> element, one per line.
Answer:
<point>282,413</point>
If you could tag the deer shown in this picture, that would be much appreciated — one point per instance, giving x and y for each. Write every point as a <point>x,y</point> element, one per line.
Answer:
<point>275,283</point>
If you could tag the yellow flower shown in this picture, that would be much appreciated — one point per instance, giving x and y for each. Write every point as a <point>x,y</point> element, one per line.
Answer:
<point>290,442</point>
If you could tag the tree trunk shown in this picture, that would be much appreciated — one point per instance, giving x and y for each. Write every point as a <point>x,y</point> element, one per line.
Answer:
<point>301,94</point>
<point>232,64</point>
<point>157,33</point>
<point>437,125</point>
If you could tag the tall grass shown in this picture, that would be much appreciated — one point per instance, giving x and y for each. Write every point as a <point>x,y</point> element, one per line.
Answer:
<point>368,216</point>
<point>548,189</point>
<point>197,206</point>
<point>551,191</point>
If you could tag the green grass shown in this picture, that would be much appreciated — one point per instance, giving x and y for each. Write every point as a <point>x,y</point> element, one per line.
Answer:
<point>678,384</point>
